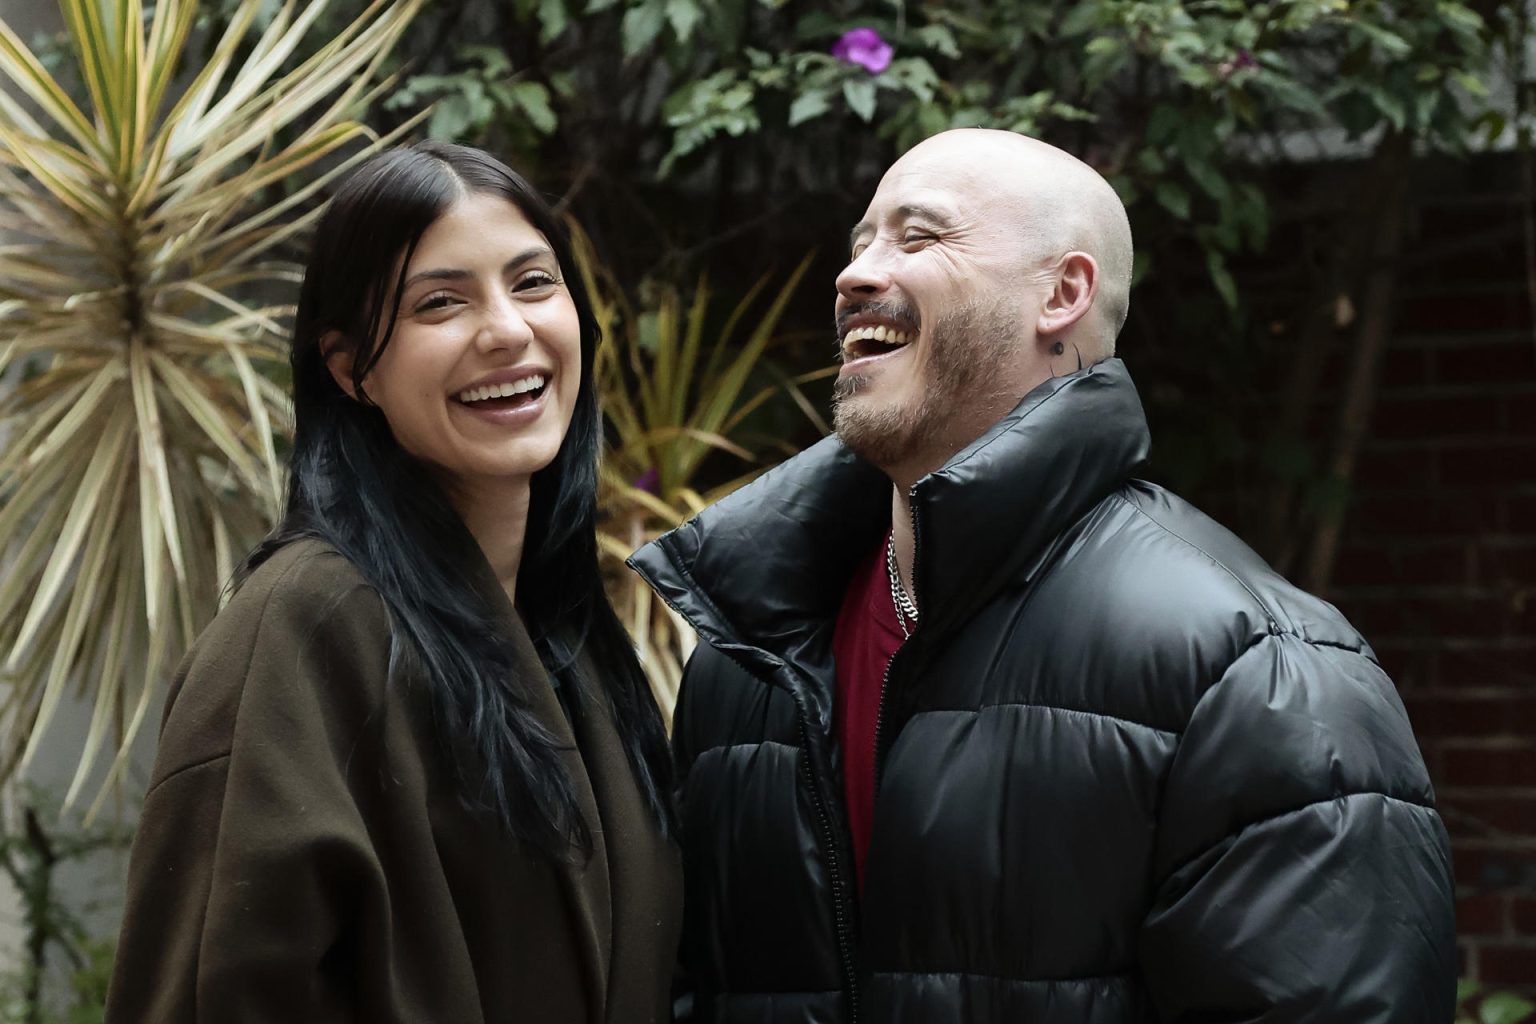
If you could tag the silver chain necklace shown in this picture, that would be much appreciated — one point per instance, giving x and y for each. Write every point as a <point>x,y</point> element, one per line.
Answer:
<point>905,607</point>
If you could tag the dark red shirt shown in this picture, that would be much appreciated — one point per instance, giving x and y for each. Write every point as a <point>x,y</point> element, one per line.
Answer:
<point>866,635</point>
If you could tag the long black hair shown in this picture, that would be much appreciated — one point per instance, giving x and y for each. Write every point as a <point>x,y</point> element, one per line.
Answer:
<point>351,485</point>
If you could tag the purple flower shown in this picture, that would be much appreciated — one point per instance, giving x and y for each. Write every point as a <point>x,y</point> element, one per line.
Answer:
<point>1242,61</point>
<point>650,480</point>
<point>864,47</point>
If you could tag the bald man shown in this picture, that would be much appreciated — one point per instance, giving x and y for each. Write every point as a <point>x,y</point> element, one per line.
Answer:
<point>984,729</point>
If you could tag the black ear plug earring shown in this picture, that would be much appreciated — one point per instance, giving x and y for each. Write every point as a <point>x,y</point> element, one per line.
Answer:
<point>1057,349</point>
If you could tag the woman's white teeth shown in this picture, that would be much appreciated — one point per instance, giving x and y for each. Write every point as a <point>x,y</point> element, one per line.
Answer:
<point>517,387</point>
<point>880,334</point>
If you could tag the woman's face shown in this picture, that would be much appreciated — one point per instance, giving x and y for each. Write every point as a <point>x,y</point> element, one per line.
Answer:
<point>481,375</point>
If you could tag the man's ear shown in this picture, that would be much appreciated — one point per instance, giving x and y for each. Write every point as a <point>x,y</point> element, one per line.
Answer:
<point>338,352</point>
<point>1077,284</point>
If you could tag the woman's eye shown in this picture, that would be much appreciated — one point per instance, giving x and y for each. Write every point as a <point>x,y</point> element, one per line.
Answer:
<point>433,303</point>
<point>533,280</point>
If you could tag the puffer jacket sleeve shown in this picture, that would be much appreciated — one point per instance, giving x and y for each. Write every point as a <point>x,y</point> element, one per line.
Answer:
<point>1302,874</point>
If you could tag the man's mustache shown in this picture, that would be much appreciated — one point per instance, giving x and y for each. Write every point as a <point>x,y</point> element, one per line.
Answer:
<point>899,314</point>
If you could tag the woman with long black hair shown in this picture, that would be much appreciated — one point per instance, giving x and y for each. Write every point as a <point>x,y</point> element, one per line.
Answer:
<point>412,772</point>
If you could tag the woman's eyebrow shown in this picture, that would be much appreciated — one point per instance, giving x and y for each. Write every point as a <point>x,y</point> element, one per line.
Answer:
<point>457,274</point>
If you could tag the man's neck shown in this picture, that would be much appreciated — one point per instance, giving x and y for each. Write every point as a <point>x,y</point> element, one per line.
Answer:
<point>903,539</point>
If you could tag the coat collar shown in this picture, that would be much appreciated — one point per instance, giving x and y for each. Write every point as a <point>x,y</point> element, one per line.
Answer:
<point>762,572</point>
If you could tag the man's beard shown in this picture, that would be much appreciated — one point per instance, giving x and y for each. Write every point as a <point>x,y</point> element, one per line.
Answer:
<point>963,350</point>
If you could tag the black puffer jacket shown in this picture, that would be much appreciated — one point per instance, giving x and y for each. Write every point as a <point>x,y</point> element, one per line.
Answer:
<point>1127,772</point>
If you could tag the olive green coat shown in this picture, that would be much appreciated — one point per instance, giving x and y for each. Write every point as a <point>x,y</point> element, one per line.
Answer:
<point>303,855</point>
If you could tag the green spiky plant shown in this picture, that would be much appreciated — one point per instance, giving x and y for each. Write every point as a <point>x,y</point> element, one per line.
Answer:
<point>673,394</point>
<point>137,338</point>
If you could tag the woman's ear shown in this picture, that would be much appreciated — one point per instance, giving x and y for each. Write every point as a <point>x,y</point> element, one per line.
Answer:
<point>338,352</point>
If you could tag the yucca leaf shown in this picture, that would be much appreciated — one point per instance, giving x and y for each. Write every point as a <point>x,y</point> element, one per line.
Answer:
<point>129,87</point>
<point>134,242</point>
<point>82,512</point>
<point>723,352</point>
<point>97,56</point>
<point>185,118</point>
<point>167,38</point>
<point>19,65</point>
<point>692,340</point>
<point>156,507</point>
<point>24,563</point>
<point>30,501</point>
<point>216,427</point>
<point>112,673</point>
<point>82,408</point>
<point>83,597</point>
<point>274,46</point>
<point>149,177</point>
<point>45,417</point>
<point>54,175</point>
<point>659,437</point>
<point>262,423</point>
<point>239,236</point>
<point>153,666</point>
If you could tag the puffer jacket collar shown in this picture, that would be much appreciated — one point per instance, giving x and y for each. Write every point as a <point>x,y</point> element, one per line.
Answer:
<point>761,573</point>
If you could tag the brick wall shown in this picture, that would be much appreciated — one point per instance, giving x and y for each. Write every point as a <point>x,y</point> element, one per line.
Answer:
<point>1438,568</point>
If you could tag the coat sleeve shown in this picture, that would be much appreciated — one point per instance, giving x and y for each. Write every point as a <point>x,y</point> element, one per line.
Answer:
<point>1302,872</point>
<point>250,860</point>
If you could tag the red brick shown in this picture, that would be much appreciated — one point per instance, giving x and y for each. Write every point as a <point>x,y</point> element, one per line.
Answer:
<point>1380,614</point>
<point>1483,865</point>
<point>1520,612</point>
<point>1443,713</point>
<point>1470,813</point>
<point>1421,510</point>
<point>1487,215</point>
<point>1483,766</point>
<point>1487,465</point>
<point>1490,666</point>
<point>1518,508</point>
<point>1512,357</point>
<point>1522,915</point>
<point>1401,367</point>
<point>1409,468</point>
<point>1506,964</point>
<point>1521,414</point>
<point>1513,560</point>
<point>1415,418</point>
<point>1483,914</point>
<point>1371,564</point>
<point>1409,666</point>
<point>1462,314</point>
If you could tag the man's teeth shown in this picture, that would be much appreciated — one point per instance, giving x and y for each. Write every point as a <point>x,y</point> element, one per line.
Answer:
<point>516,387</point>
<point>882,334</point>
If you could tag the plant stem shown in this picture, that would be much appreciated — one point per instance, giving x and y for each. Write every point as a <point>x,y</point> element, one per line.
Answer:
<point>1375,331</point>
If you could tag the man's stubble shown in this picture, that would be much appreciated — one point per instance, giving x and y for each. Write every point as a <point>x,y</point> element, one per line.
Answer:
<point>963,352</point>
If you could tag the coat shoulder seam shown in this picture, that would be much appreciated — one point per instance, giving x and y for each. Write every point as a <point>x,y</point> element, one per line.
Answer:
<point>1269,613</point>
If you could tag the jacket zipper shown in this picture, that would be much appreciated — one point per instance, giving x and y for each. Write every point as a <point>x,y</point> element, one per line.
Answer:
<point>885,680</point>
<point>829,847</point>
<point>834,869</point>
<point>828,838</point>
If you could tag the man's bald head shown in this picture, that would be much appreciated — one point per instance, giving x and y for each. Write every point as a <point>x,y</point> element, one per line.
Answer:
<point>1054,202</point>
<point>985,264</point>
